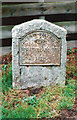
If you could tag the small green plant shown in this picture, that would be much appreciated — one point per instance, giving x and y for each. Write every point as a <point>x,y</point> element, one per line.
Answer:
<point>65,103</point>
<point>6,78</point>
<point>71,85</point>
<point>67,96</point>
<point>69,51</point>
<point>44,114</point>
<point>75,50</point>
<point>32,100</point>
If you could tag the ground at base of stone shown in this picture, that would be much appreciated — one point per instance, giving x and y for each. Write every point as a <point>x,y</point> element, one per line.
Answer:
<point>65,114</point>
<point>68,114</point>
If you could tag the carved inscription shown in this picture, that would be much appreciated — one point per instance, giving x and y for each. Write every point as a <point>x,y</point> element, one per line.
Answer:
<point>40,48</point>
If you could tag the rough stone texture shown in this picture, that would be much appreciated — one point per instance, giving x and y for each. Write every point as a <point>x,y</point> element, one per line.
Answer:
<point>42,75</point>
<point>40,48</point>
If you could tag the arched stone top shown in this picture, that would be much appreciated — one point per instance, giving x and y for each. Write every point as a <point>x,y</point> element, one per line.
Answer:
<point>37,24</point>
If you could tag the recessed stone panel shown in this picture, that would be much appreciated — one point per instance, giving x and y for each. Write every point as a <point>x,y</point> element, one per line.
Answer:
<point>40,48</point>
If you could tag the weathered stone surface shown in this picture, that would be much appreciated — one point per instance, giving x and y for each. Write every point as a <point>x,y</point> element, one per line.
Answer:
<point>40,48</point>
<point>39,54</point>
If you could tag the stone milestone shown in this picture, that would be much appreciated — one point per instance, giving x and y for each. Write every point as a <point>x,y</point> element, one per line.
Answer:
<point>38,54</point>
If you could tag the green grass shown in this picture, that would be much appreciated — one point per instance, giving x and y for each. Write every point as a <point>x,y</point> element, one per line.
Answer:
<point>46,105</point>
<point>19,112</point>
<point>0,97</point>
<point>7,78</point>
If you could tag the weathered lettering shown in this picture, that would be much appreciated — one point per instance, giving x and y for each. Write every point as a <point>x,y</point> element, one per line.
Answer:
<point>40,48</point>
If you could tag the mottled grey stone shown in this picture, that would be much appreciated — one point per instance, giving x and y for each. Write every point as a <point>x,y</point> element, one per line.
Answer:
<point>37,75</point>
